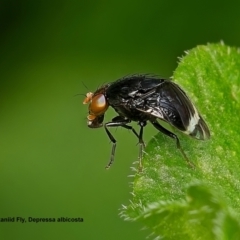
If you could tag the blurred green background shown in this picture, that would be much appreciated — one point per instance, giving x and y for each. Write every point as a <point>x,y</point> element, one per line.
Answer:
<point>51,163</point>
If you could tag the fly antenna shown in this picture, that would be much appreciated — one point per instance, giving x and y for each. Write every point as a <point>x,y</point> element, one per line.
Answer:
<point>80,94</point>
<point>85,85</point>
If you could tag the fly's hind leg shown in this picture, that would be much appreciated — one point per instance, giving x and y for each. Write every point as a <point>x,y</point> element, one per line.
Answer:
<point>141,145</point>
<point>174,136</point>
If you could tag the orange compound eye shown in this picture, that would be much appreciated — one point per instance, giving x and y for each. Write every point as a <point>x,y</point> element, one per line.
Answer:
<point>98,105</point>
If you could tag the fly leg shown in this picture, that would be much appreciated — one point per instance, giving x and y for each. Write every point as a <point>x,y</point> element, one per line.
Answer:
<point>116,122</point>
<point>141,145</point>
<point>172,135</point>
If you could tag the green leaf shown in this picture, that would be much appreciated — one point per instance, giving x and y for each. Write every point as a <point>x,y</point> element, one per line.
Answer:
<point>210,75</point>
<point>202,216</point>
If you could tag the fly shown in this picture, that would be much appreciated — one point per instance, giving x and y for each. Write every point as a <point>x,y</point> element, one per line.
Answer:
<point>145,98</point>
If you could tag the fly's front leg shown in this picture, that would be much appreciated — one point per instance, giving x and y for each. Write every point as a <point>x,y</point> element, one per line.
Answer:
<point>117,122</point>
<point>114,143</point>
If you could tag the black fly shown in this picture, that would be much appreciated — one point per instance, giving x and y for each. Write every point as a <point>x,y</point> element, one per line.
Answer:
<point>143,98</point>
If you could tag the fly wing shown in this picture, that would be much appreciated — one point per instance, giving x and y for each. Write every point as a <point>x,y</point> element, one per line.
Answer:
<point>170,103</point>
<point>131,87</point>
<point>176,105</point>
